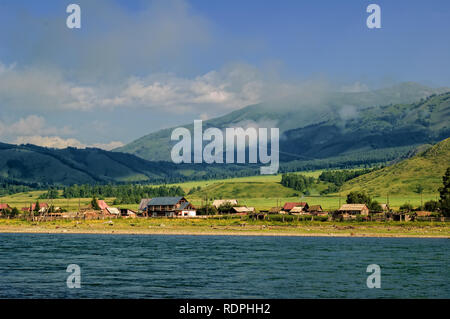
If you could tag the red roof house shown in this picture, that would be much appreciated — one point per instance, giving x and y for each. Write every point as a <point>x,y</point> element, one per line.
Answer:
<point>289,205</point>
<point>102,204</point>
<point>33,207</point>
<point>4,207</point>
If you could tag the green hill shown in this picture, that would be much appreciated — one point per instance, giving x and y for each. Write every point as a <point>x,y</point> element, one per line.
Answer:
<point>23,164</point>
<point>375,128</point>
<point>245,190</point>
<point>262,186</point>
<point>425,169</point>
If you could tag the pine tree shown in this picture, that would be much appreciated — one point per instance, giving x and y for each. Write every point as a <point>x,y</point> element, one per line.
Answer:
<point>94,204</point>
<point>445,194</point>
<point>37,207</point>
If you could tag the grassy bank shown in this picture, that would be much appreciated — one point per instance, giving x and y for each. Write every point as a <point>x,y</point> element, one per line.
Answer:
<point>231,226</point>
<point>329,202</point>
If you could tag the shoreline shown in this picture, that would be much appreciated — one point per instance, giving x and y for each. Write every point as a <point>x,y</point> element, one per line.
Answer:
<point>229,227</point>
<point>180,232</point>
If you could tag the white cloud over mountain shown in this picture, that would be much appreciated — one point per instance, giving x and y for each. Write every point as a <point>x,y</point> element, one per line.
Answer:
<point>58,142</point>
<point>34,129</point>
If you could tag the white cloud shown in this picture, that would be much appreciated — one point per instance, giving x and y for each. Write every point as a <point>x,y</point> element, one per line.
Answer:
<point>216,90</point>
<point>32,125</point>
<point>49,141</point>
<point>35,88</point>
<point>34,129</point>
<point>227,89</point>
<point>58,142</point>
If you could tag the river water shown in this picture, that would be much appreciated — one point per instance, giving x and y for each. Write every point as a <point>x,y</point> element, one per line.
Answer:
<point>158,266</point>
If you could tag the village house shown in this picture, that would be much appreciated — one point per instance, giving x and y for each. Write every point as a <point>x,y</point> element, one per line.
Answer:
<point>102,204</point>
<point>128,213</point>
<point>276,210</point>
<point>243,210</point>
<point>315,209</point>
<point>3,208</point>
<point>351,210</point>
<point>422,213</point>
<point>300,207</point>
<point>170,207</point>
<point>143,204</point>
<point>43,207</point>
<point>299,210</point>
<point>113,211</point>
<point>219,202</point>
<point>105,209</point>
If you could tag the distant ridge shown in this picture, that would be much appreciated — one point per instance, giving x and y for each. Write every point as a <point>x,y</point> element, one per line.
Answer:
<point>35,164</point>
<point>338,124</point>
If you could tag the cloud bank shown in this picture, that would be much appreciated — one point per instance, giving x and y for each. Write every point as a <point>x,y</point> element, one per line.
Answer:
<point>33,129</point>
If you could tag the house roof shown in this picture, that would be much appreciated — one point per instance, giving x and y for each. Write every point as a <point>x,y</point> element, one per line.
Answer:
<point>164,201</point>
<point>423,213</point>
<point>218,202</point>
<point>384,206</point>
<point>353,207</point>
<point>113,210</point>
<point>144,203</point>
<point>102,204</point>
<point>315,208</point>
<point>41,205</point>
<point>4,206</point>
<point>33,207</point>
<point>275,209</point>
<point>127,210</point>
<point>290,205</point>
<point>297,209</point>
<point>244,209</point>
<point>184,205</point>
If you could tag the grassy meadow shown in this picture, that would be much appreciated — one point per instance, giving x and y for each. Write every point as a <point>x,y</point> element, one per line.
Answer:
<point>261,192</point>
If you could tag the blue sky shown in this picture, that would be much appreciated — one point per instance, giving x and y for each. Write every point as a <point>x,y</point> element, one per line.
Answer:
<point>138,66</point>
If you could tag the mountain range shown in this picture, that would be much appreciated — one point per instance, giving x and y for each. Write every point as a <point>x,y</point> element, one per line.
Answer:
<point>35,164</point>
<point>333,124</point>
<point>336,130</point>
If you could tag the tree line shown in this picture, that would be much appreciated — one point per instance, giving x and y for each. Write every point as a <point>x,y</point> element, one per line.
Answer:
<point>124,194</point>
<point>298,182</point>
<point>338,178</point>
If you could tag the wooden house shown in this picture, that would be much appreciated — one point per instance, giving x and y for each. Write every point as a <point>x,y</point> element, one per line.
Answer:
<point>243,210</point>
<point>348,210</point>
<point>219,202</point>
<point>302,206</point>
<point>43,207</point>
<point>113,211</point>
<point>422,213</point>
<point>299,210</point>
<point>102,204</point>
<point>315,209</point>
<point>170,207</point>
<point>276,210</point>
<point>3,208</point>
<point>143,204</point>
<point>128,213</point>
